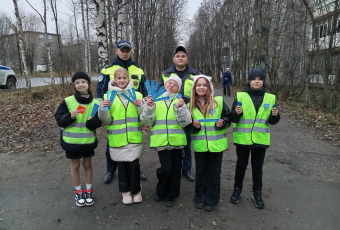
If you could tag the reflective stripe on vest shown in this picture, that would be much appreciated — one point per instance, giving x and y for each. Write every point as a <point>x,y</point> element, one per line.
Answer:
<point>77,132</point>
<point>188,83</point>
<point>126,126</point>
<point>135,74</point>
<point>166,129</point>
<point>209,138</point>
<point>253,128</point>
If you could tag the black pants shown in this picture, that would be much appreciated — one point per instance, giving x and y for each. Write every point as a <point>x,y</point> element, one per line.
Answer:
<point>224,89</point>
<point>128,176</point>
<point>169,174</point>
<point>257,159</point>
<point>208,177</point>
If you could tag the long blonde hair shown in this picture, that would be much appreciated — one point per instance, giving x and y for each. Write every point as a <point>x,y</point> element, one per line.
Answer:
<point>209,103</point>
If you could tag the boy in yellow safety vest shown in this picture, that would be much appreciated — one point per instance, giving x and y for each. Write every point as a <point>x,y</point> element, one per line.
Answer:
<point>252,112</point>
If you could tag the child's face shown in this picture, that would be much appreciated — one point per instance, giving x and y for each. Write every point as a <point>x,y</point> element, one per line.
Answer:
<point>256,83</point>
<point>122,80</point>
<point>171,86</point>
<point>81,86</point>
<point>201,87</point>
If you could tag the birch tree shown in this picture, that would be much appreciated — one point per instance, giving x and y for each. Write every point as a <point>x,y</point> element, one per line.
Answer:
<point>85,37</point>
<point>101,34</point>
<point>22,48</point>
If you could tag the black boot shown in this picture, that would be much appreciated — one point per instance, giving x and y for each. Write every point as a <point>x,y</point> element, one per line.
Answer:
<point>235,197</point>
<point>257,198</point>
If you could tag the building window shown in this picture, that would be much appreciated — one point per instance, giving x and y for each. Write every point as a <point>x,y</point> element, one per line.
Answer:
<point>49,37</point>
<point>41,36</point>
<point>320,31</point>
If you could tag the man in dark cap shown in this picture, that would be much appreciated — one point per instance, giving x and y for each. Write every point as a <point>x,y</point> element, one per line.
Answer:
<point>137,76</point>
<point>185,72</point>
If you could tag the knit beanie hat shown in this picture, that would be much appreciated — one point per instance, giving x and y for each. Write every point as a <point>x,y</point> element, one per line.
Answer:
<point>257,73</point>
<point>176,79</point>
<point>81,75</point>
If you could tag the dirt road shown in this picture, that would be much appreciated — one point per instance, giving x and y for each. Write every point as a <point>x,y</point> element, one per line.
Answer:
<point>301,191</point>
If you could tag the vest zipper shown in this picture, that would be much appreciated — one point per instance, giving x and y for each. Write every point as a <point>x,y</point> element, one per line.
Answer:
<point>127,139</point>
<point>166,121</point>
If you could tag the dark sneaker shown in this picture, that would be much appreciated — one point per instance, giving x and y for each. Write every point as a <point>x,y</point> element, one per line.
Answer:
<point>257,198</point>
<point>199,205</point>
<point>235,197</point>
<point>89,197</point>
<point>156,197</point>
<point>80,197</point>
<point>208,207</point>
<point>169,203</point>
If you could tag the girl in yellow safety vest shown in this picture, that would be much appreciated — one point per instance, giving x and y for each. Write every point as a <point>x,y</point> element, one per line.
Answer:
<point>168,118</point>
<point>78,134</point>
<point>252,113</point>
<point>209,139</point>
<point>125,137</point>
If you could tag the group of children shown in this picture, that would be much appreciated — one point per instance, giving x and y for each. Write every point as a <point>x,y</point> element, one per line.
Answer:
<point>206,117</point>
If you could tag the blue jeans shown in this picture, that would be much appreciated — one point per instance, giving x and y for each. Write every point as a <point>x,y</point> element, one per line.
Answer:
<point>111,166</point>
<point>186,165</point>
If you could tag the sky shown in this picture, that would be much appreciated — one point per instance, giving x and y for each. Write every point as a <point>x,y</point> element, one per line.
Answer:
<point>8,7</point>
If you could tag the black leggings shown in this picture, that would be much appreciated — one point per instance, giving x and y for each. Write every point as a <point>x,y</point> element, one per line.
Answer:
<point>257,159</point>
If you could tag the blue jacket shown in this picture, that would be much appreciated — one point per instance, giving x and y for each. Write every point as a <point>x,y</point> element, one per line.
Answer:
<point>104,79</point>
<point>171,70</point>
<point>226,79</point>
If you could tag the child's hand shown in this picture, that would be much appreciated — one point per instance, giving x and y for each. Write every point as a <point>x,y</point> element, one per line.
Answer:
<point>219,123</point>
<point>197,124</point>
<point>106,103</point>
<point>74,113</point>
<point>238,109</point>
<point>149,101</point>
<point>275,111</point>
<point>138,102</point>
<point>89,118</point>
<point>180,103</point>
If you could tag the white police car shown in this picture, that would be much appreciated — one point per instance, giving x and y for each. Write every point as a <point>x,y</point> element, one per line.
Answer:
<point>7,78</point>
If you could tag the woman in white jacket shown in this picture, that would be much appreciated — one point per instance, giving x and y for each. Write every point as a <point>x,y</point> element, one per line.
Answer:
<point>168,118</point>
<point>124,135</point>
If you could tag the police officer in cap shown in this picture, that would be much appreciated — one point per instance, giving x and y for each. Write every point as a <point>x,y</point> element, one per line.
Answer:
<point>137,76</point>
<point>185,72</point>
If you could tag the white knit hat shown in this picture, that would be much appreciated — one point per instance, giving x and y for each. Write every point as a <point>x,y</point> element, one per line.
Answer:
<point>176,79</point>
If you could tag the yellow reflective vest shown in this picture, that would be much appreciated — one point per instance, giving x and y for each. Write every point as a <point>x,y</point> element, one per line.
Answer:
<point>253,127</point>
<point>209,138</point>
<point>166,129</point>
<point>78,133</point>
<point>135,74</point>
<point>126,126</point>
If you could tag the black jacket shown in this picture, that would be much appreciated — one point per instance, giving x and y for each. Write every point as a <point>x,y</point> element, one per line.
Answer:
<point>63,118</point>
<point>172,69</point>
<point>225,115</point>
<point>257,98</point>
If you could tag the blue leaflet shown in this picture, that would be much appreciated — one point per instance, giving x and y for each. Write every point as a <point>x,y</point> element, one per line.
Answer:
<point>209,120</point>
<point>147,83</point>
<point>179,96</point>
<point>124,95</point>
<point>159,93</point>
<point>107,97</point>
<point>161,99</point>
<point>94,110</point>
<point>112,98</point>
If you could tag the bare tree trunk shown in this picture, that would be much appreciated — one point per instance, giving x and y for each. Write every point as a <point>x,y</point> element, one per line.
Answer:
<point>88,37</point>
<point>22,48</point>
<point>109,12</point>
<point>85,37</point>
<point>120,21</point>
<point>101,34</point>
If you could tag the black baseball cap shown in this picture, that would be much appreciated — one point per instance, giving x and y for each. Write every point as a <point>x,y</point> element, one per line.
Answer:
<point>180,48</point>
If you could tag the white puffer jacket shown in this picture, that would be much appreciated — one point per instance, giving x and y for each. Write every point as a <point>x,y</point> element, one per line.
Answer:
<point>129,152</point>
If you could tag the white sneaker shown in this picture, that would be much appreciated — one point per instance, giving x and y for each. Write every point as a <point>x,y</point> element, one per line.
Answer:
<point>137,198</point>
<point>127,198</point>
<point>89,197</point>
<point>80,201</point>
